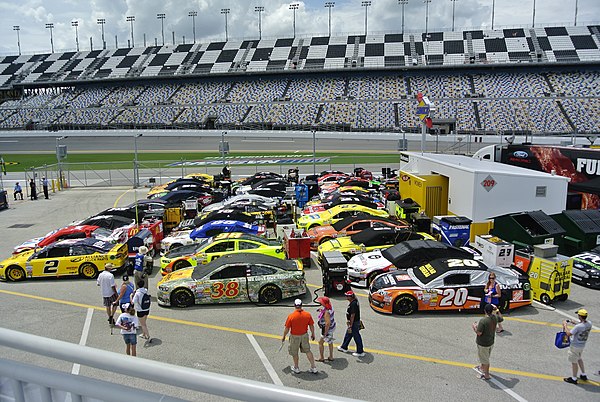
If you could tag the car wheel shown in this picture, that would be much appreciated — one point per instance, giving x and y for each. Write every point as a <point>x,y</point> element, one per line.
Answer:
<point>371,278</point>
<point>312,226</point>
<point>324,240</point>
<point>544,298</point>
<point>504,305</point>
<point>88,270</point>
<point>405,305</point>
<point>15,273</point>
<point>182,297</point>
<point>562,297</point>
<point>269,294</point>
<point>181,264</point>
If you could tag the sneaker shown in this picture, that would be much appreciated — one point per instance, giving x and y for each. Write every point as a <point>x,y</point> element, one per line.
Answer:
<point>570,380</point>
<point>313,370</point>
<point>583,377</point>
<point>341,349</point>
<point>358,354</point>
<point>295,370</point>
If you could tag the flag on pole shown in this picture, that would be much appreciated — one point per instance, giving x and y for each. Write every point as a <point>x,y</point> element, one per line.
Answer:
<point>3,165</point>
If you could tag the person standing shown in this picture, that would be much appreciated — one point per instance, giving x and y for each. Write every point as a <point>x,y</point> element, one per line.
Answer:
<point>32,190</point>
<point>326,322</point>
<point>141,301</point>
<point>492,295</point>
<point>18,191</point>
<point>297,325</point>
<point>139,263</point>
<point>106,281</point>
<point>579,336</point>
<point>125,293</point>
<point>486,334</point>
<point>129,323</point>
<point>45,187</point>
<point>353,330</point>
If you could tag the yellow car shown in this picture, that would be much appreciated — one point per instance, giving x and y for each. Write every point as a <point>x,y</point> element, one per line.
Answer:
<point>83,257</point>
<point>217,246</point>
<point>337,213</point>
<point>369,240</point>
<point>189,179</point>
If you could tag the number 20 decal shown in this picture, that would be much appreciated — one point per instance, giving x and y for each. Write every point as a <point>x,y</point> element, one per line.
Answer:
<point>51,266</point>
<point>457,297</point>
<point>219,289</point>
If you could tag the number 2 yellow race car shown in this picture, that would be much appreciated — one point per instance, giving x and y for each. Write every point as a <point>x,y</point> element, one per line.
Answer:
<point>83,257</point>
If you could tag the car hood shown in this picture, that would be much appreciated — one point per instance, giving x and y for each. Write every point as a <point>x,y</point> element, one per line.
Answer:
<point>321,231</point>
<point>399,278</point>
<point>24,256</point>
<point>177,275</point>
<point>371,261</point>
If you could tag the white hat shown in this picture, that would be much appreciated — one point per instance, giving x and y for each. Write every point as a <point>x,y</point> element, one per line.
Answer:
<point>143,249</point>
<point>297,302</point>
<point>109,266</point>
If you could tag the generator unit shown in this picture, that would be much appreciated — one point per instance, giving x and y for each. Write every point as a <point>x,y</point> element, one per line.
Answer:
<point>334,268</point>
<point>452,230</point>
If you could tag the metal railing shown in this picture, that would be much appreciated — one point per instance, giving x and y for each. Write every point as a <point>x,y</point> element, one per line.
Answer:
<point>164,373</point>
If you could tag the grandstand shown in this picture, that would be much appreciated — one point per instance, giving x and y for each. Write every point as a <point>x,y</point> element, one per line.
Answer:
<point>542,80</point>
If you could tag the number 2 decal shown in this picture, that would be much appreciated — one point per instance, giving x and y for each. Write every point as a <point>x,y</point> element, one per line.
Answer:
<point>51,267</point>
<point>219,289</point>
<point>457,297</point>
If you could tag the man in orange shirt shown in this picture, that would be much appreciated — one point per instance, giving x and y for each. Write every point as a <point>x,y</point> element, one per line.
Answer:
<point>297,325</point>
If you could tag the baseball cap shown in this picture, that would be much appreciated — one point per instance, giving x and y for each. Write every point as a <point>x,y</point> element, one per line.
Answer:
<point>297,302</point>
<point>488,308</point>
<point>110,266</point>
<point>582,312</point>
<point>349,293</point>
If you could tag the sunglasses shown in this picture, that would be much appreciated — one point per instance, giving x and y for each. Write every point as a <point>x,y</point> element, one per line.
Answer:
<point>492,277</point>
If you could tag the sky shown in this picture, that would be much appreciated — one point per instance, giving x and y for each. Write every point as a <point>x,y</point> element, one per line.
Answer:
<point>347,17</point>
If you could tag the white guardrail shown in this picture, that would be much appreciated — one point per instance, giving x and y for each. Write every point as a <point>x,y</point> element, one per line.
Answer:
<point>21,376</point>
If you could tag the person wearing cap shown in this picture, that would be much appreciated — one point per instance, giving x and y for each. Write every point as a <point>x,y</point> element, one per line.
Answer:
<point>129,323</point>
<point>326,322</point>
<point>486,335</point>
<point>138,267</point>
<point>579,335</point>
<point>125,293</point>
<point>106,281</point>
<point>45,187</point>
<point>353,331</point>
<point>297,325</point>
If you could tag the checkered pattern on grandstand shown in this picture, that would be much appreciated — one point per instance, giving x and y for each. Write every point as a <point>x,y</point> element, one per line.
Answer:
<point>550,44</point>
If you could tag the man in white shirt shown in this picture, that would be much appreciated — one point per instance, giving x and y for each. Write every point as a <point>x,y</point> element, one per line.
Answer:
<point>579,336</point>
<point>106,281</point>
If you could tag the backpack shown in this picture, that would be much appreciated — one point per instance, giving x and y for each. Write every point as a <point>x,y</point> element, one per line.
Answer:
<point>145,303</point>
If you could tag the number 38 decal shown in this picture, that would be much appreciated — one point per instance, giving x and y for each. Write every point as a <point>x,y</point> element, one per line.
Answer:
<point>456,297</point>
<point>219,289</point>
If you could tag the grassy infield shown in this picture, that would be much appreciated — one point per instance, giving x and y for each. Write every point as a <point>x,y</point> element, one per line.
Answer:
<point>124,160</point>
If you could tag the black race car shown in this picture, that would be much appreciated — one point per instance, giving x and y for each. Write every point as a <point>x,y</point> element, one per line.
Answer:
<point>111,222</point>
<point>586,268</point>
<point>256,177</point>
<point>224,214</point>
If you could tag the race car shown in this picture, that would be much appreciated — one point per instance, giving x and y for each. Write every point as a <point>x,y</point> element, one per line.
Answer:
<point>235,278</point>
<point>175,240</point>
<point>335,214</point>
<point>446,284</point>
<point>344,199</point>
<point>111,222</point>
<point>349,226</point>
<point>68,232</point>
<point>363,268</point>
<point>203,197</point>
<point>586,268</point>
<point>83,257</point>
<point>242,199</point>
<point>368,240</point>
<point>256,177</point>
<point>215,247</point>
<point>198,187</point>
<point>194,178</point>
<point>213,228</point>
<point>224,214</point>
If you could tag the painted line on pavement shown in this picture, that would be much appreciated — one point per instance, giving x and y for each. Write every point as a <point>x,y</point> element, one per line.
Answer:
<point>264,360</point>
<point>119,198</point>
<point>84,336</point>
<point>278,338</point>
<point>507,390</point>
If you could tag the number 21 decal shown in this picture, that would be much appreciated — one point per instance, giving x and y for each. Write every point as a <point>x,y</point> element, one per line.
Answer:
<point>456,297</point>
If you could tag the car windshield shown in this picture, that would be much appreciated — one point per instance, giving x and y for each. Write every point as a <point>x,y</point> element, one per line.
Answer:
<point>188,249</point>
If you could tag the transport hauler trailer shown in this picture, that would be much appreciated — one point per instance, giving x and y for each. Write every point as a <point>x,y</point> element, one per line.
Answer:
<point>478,190</point>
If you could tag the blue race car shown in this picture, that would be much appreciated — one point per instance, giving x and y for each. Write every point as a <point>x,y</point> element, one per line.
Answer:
<point>213,228</point>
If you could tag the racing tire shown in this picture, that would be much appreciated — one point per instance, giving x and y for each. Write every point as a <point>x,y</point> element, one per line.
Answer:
<point>371,278</point>
<point>181,264</point>
<point>88,270</point>
<point>544,298</point>
<point>269,294</point>
<point>15,273</point>
<point>405,305</point>
<point>182,297</point>
<point>312,226</point>
<point>324,240</point>
<point>504,305</point>
<point>562,297</point>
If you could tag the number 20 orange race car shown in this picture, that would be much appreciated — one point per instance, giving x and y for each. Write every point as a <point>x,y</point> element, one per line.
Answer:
<point>446,284</point>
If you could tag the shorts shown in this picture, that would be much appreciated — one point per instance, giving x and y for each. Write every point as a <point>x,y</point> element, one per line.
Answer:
<point>141,314</point>
<point>575,354</point>
<point>298,342</point>
<point>484,352</point>
<point>328,337</point>
<point>108,301</point>
<point>130,339</point>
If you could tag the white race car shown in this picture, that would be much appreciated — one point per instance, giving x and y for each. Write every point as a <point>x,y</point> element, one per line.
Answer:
<point>175,240</point>
<point>242,199</point>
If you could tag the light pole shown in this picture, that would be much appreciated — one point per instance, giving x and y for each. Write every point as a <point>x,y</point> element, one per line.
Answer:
<point>18,28</point>
<point>59,160</point>
<point>223,146</point>
<point>161,17</point>
<point>101,22</point>
<point>533,17</point>
<point>403,3</point>
<point>76,24</point>
<point>294,7</point>
<point>50,26</point>
<point>330,5</point>
<point>366,4</point>
<point>426,15</point>
<point>259,10</point>
<point>193,14</point>
<point>576,9</point>
<point>453,7</point>
<point>493,11</point>
<point>131,19</point>
<point>314,133</point>
<point>136,171</point>
<point>226,11</point>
